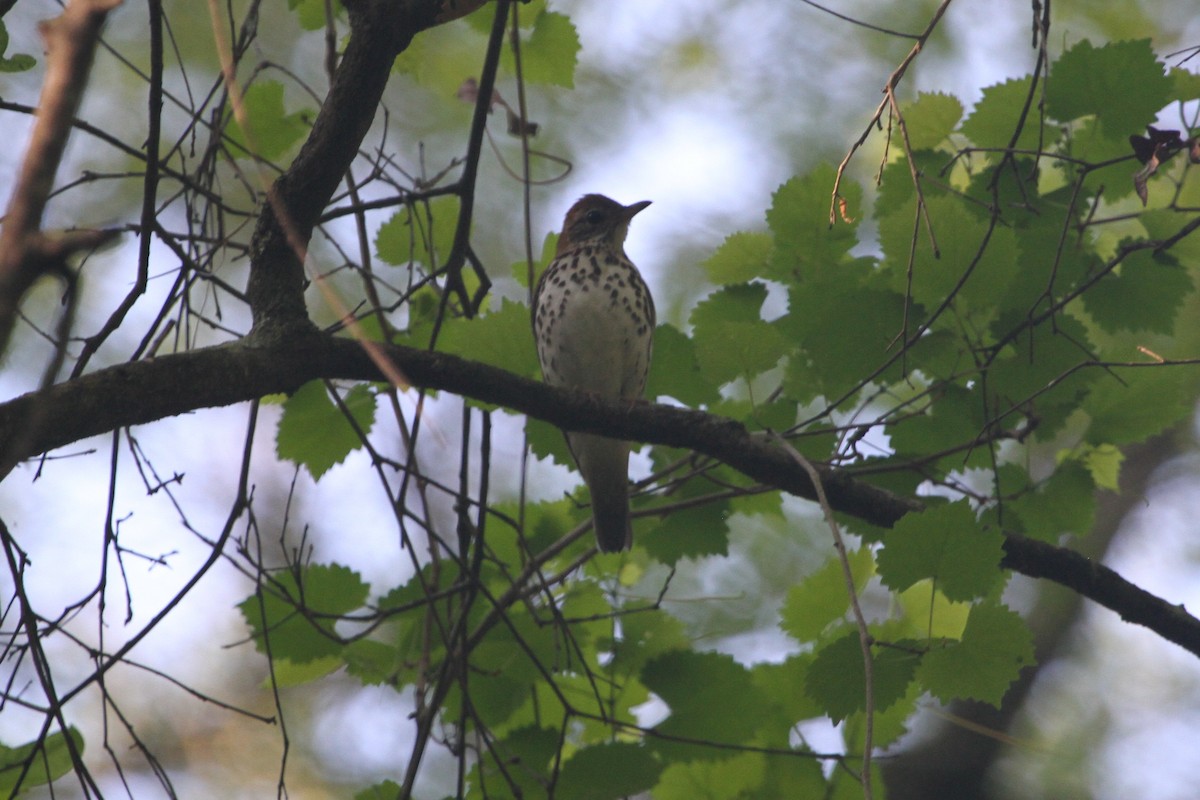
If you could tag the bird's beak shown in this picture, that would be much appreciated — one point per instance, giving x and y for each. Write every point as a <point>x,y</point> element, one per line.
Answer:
<point>633,208</point>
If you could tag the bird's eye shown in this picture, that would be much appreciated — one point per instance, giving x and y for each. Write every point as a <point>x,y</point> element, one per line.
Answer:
<point>594,217</point>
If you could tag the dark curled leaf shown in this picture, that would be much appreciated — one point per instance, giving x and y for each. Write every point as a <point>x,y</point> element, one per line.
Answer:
<point>1152,151</point>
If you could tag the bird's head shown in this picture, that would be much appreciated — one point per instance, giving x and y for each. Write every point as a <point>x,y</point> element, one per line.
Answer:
<point>598,220</point>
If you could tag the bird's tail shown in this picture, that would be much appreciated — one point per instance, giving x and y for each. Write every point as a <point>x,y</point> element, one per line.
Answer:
<point>604,464</point>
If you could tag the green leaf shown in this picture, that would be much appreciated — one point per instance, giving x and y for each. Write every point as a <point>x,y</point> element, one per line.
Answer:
<point>805,243</point>
<point>1131,405</point>
<point>742,257</point>
<point>1145,295</point>
<point>314,433</point>
<point>20,62</point>
<point>954,420</point>
<point>995,645</point>
<point>531,749</point>
<point>1121,83</point>
<point>821,598</point>
<point>387,790</point>
<point>423,235</point>
<point>740,776</point>
<point>550,52</point>
<point>1064,503</point>
<point>502,338</point>
<point>731,338</point>
<point>1038,372</point>
<point>947,544</point>
<point>1185,85</point>
<point>547,441</point>
<point>272,131</point>
<point>48,760</point>
<point>311,13</point>
<point>994,120</point>
<point>1103,463</point>
<point>711,697</point>
<point>702,530</point>
<point>441,58</point>
<point>782,683</point>
<point>847,332</point>
<point>930,613</point>
<point>837,682</point>
<point>608,771</point>
<point>930,119</point>
<point>965,241</point>
<point>674,371</point>
<point>297,611</point>
<point>372,662</point>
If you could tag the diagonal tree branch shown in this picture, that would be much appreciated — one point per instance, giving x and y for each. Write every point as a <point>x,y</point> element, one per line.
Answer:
<point>144,391</point>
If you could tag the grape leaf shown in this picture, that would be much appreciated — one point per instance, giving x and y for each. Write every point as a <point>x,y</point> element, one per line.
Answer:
<point>272,131</point>
<point>995,645</point>
<point>947,544</point>
<point>930,119</point>
<point>821,598</point>
<point>313,431</point>
<point>837,680</point>
<point>297,610</point>
<point>608,771</point>
<point>710,696</point>
<point>1121,83</point>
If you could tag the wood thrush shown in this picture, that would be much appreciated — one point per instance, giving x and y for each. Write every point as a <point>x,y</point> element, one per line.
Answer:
<point>593,321</point>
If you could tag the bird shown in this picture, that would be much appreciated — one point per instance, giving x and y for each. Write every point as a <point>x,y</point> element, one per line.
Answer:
<point>593,323</point>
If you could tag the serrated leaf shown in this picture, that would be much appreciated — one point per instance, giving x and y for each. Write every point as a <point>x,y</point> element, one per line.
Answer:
<point>272,131</point>
<point>946,544</point>
<point>821,598</point>
<point>1038,372</point>
<point>441,58</point>
<point>285,672</point>
<point>931,614</point>
<point>836,680</point>
<point>310,13</point>
<point>386,790</point>
<point>739,776</point>
<point>994,120</point>
<point>530,748</point>
<point>996,644</point>
<point>846,331</point>
<point>710,696</point>
<point>965,241</point>
<point>608,771</point>
<point>520,269</point>
<point>550,52</point>
<point>502,338</point>
<point>742,257</point>
<point>805,242</point>
<point>1132,405</point>
<point>313,431</point>
<point>373,663</point>
<point>1121,83</point>
<point>953,420</point>
<point>674,371</point>
<point>1145,295</point>
<point>297,610</point>
<point>731,338</point>
<point>1064,503</point>
<point>783,683</point>
<point>690,533</point>
<point>423,234</point>
<point>931,118</point>
<point>1103,463</point>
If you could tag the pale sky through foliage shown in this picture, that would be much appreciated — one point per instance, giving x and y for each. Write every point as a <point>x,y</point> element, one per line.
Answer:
<point>722,100</point>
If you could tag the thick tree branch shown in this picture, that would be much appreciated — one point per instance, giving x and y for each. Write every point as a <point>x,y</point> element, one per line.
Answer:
<point>145,391</point>
<point>25,252</point>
